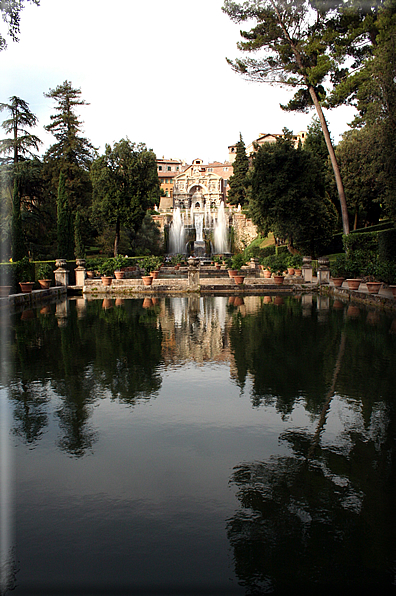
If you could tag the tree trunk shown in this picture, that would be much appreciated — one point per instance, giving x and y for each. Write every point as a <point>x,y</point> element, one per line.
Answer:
<point>117,237</point>
<point>336,169</point>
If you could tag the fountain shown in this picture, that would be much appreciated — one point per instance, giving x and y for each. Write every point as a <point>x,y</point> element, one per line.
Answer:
<point>177,234</point>
<point>199,222</point>
<point>221,245</point>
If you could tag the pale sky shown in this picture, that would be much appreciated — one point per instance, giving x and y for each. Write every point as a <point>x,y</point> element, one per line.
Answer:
<point>152,70</point>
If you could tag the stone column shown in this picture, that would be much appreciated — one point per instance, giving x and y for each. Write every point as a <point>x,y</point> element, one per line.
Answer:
<point>81,272</point>
<point>193,272</point>
<point>61,274</point>
<point>323,270</point>
<point>254,263</point>
<point>307,269</point>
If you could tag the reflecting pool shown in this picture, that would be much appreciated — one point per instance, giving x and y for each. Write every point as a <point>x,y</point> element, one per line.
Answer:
<point>186,445</point>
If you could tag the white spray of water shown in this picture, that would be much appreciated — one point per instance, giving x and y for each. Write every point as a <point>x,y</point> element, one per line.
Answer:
<point>221,231</point>
<point>198,224</point>
<point>177,234</point>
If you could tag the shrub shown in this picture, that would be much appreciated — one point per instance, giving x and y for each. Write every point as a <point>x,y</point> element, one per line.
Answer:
<point>44,271</point>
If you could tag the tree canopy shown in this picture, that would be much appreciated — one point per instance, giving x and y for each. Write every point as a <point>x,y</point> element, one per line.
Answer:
<point>22,141</point>
<point>10,12</point>
<point>293,37</point>
<point>237,183</point>
<point>125,184</point>
<point>287,196</point>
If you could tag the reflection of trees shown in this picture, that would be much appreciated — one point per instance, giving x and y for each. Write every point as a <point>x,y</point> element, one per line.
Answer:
<point>323,517</point>
<point>116,351</point>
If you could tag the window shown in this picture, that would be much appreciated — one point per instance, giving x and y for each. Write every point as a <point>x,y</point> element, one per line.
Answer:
<point>210,169</point>
<point>160,168</point>
<point>169,168</point>
<point>225,169</point>
<point>177,168</point>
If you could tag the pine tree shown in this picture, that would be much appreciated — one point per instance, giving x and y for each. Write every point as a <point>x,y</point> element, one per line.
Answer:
<point>18,249</point>
<point>237,182</point>
<point>72,154</point>
<point>64,222</point>
<point>22,141</point>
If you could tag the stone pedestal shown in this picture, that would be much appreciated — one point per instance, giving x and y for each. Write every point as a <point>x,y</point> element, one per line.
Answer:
<point>323,275</point>
<point>61,273</point>
<point>193,271</point>
<point>254,263</point>
<point>80,271</point>
<point>307,273</point>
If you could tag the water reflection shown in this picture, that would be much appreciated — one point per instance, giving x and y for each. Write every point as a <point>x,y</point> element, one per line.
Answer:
<point>273,417</point>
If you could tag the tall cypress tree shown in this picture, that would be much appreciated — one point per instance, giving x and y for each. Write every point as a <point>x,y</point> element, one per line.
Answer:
<point>79,249</point>
<point>237,182</point>
<point>18,249</point>
<point>64,222</point>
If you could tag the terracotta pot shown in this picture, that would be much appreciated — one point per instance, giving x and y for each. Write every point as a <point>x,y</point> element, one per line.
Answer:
<point>353,284</point>
<point>4,291</point>
<point>119,274</point>
<point>90,274</point>
<point>238,279</point>
<point>232,272</point>
<point>393,289</point>
<point>107,303</point>
<point>290,270</point>
<point>177,267</point>
<point>278,300</point>
<point>27,315</point>
<point>373,286</point>
<point>26,286</point>
<point>44,283</point>
<point>154,274</point>
<point>338,305</point>
<point>267,299</point>
<point>218,265</point>
<point>267,273</point>
<point>279,279</point>
<point>231,300</point>
<point>46,310</point>
<point>238,301</point>
<point>119,301</point>
<point>147,280</point>
<point>107,280</point>
<point>297,272</point>
<point>338,281</point>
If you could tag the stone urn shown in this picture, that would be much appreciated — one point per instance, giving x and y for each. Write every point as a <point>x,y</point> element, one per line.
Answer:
<point>373,286</point>
<point>26,286</point>
<point>238,279</point>
<point>107,280</point>
<point>338,281</point>
<point>147,280</point>
<point>279,279</point>
<point>353,284</point>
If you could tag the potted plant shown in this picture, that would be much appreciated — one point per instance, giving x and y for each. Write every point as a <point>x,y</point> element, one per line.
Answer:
<point>106,272</point>
<point>118,263</point>
<point>296,262</point>
<point>237,262</point>
<point>338,270</point>
<point>277,265</point>
<point>44,273</point>
<point>26,274</point>
<point>149,264</point>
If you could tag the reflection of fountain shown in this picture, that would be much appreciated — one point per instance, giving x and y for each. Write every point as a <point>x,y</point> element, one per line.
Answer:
<point>221,232</point>
<point>177,234</point>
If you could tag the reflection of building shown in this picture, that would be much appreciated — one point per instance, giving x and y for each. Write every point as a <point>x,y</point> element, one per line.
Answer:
<point>201,184</point>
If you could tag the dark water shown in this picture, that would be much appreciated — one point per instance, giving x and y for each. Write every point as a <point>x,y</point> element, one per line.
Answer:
<point>187,446</point>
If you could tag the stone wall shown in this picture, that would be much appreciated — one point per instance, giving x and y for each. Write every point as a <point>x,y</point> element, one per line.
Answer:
<point>244,231</point>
